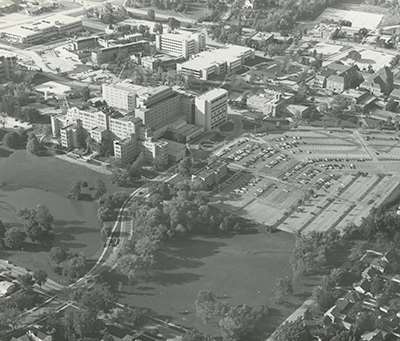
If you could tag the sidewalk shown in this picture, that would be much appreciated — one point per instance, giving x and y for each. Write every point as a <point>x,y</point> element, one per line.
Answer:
<point>98,169</point>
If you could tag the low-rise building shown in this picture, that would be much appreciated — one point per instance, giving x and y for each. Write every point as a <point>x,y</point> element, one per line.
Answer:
<point>42,30</point>
<point>216,62</point>
<point>212,174</point>
<point>270,103</point>
<point>7,288</point>
<point>108,54</point>
<point>165,62</point>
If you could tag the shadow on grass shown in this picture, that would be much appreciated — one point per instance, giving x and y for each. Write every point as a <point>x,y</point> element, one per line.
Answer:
<point>166,279</point>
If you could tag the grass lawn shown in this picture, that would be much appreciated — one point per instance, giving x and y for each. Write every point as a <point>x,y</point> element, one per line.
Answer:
<point>27,181</point>
<point>239,269</point>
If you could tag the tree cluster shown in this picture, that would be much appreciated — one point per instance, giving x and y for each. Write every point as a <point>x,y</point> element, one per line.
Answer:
<point>236,322</point>
<point>70,265</point>
<point>168,213</point>
<point>38,224</point>
<point>316,252</point>
<point>15,140</point>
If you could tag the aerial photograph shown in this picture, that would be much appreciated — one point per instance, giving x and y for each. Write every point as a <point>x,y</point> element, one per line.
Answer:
<point>200,170</point>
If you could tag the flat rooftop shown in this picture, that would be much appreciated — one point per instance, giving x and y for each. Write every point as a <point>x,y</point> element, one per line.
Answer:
<point>26,30</point>
<point>180,35</point>
<point>214,93</point>
<point>217,56</point>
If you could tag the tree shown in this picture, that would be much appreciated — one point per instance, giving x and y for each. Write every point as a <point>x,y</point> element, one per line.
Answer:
<point>293,331</point>
<point>38,224</point>
<point>30,114</point>
<point>58,254</point>
<point>158,28</point>
<point>2,229</point>
<point>173,23</point>
<point>185,167</point>
<point>100,188</point>
<point>14,238</point>
<point>12,140</point>
<point>80,324</point>
<point>76,191</point>
<point>355,55</point>
<point>85,93</point>
<point>207,306</point>
<point>96,299</point>
<point>33,145</point>
<point>74,267</point>
<point>40,277</point>
<point>151,14</point>
<point>283,289</point>
<point>26,281</point>
<point>241,322</point>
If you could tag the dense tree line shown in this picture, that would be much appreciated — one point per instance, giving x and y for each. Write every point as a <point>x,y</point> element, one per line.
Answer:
<point>236,322</point>
<point>37,226</point>
<point>70,265</point>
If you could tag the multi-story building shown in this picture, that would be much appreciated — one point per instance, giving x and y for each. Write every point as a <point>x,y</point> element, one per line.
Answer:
<point>157,107</point>
<point>181,43</point>
<point>7,65</point>
<point>121,96</point>
<point>380,83</point>
<point>69,136</point>
<point>211,108</point>
<point>89,119</point>
<point>156,151</point>
<point>127,149</point>
<point>340,77</point>
<point>124,127</point>
<point>110,53</point>
<point>216,62</point>
<point>42,30</point>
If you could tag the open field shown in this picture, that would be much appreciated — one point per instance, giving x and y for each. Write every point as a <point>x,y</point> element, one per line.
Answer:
<point>27,181</point>
<point>239,269</point>
<point>359,19</point>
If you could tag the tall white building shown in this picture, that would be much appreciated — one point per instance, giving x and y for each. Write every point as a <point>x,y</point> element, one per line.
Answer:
<point>181,43</point>
<point>121,96</point>
<point>216,62</point>
<point>211,108</point>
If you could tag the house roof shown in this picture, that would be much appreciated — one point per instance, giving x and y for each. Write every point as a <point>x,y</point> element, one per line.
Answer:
<point>339,68</point>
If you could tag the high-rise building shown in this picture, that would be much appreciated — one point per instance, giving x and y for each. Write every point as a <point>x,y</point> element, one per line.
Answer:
<point>211,108</point>
<point>180,43</point>
<point>158,107</point>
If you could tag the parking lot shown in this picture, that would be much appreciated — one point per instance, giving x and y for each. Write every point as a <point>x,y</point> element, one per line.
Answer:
<point>304,181</point>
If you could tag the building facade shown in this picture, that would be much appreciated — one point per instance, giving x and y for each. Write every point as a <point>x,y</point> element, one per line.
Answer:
<point>181,44</point>
<point>216,62</point>
<point>211,109</point>
<point>42,30</point>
